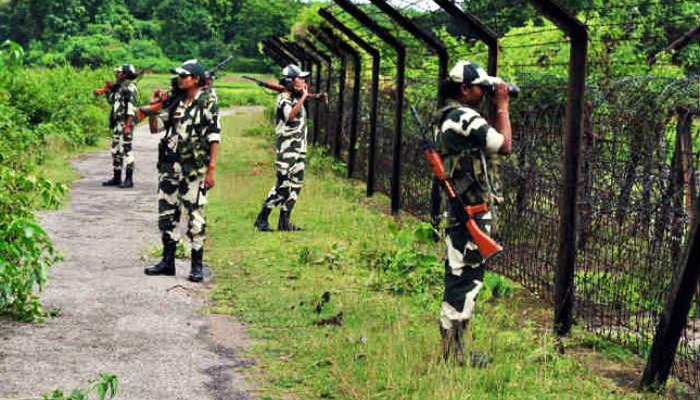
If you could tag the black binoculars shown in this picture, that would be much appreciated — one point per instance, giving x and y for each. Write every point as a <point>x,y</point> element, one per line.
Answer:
<point>513,89</point>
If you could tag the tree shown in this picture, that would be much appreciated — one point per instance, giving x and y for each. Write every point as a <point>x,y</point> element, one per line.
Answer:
<point>270,17</point>
<point>185,26</point>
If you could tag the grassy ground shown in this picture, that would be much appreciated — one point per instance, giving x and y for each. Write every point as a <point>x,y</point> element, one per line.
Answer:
<point>330,324</point>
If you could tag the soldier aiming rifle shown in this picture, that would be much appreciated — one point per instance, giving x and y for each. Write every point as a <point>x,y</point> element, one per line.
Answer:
<point>187,157</point>
<point>121,95</point>
<point>290,136</point>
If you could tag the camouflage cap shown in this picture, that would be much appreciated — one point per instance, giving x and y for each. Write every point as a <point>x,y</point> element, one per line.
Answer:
<point>128,69</point>
<point>291,71</point>
<point>190,67</point>
<point>471,74</point>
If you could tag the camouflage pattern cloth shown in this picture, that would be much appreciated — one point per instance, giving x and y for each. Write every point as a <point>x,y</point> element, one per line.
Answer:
<point>465,142</point>
<point>122,98</point>
<point>291,154</point>
<point>182,164</point>
<point>212,95</point>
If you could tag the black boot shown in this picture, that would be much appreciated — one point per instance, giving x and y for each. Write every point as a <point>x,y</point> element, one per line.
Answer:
<point>166,266</point>
<point>116,179</point>
<point>128,180</point>
<point>261,221</point>
<point>197,266</point>
<point>453,342</point>
<point>284,224</point>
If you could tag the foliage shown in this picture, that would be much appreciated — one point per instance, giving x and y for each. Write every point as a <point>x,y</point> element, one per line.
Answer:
<point>33,113</point>
<point>259,19</point>
<point>110,32</point>
<point>105,386</point>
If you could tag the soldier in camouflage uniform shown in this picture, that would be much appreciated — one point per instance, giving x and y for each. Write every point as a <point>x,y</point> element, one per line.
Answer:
<point>290,133</point>
<point>122,98</point>
<point>187,159</point>
<point>465,141</point>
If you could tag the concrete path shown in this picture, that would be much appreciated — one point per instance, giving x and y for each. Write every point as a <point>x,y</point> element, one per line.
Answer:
<point>149,331</point>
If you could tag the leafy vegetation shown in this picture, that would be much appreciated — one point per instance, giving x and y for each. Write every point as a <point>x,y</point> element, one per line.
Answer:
<point>145,32</point>
<point>34,114</point>
<point>105,387</point>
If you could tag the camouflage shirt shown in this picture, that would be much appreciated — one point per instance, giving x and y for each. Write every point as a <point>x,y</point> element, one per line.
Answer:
<point>190,128</point>
<point>290,134</point>
<point>123,100</point>
<point>212,95</point>
<point>466,142</point>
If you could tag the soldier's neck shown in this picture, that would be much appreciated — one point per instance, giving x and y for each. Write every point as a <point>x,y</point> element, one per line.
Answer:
<point>191,94</point>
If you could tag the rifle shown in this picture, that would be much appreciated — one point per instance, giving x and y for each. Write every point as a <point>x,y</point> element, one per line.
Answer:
<point>279,88</point>
<point>465,214</point>
<point>165,100</point>
<point>219,65</point>
<point>109,84</point>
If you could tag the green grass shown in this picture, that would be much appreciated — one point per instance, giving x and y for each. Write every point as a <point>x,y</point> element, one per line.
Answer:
<point>388,345</point>
<point>56,167</point>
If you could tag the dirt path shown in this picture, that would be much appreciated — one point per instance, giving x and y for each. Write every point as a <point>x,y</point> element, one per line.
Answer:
<point>149,331</point>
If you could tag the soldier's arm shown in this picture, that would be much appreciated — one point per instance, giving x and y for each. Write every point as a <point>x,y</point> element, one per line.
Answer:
<point>130,93</point>
<point>465,127</point>
<point>213,132</point>
<point>297,107</point>
<point>502,122</point>
<point>153,117</point>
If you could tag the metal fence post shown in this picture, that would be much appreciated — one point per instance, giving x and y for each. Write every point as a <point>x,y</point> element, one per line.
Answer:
<point>374,96</point>
<point>323,57</point>
<point>566,258</point>
<point>400,49</point>
<point>357,61</point>
<point>684,286</point>
<point>330,45</point>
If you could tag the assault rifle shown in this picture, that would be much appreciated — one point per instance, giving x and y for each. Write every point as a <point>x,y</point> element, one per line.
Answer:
<point>323,96</point>
<point>165,100</point>
<point>109,85</point>
<point>465,214</point>
<point>214,70</point>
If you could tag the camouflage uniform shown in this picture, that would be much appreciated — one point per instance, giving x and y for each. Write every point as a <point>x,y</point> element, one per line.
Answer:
<point>465,141</point>
<point>122,98</point>
<point>182,164</point>
<point>291,154</point>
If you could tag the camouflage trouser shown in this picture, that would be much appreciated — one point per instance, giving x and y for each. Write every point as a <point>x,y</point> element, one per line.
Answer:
<point>175,191</point>
<point>288,186</point>
<point>122,149</point>
<point>464,273</point>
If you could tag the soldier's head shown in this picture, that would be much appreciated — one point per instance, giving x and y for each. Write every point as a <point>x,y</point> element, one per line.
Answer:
<point>466,83</point>
<point>209,78</point>
<point>190,74</point>
<point>126,71</point>
<point>293,79</point>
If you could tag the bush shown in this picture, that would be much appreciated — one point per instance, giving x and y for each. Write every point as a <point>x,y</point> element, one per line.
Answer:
<point>36,104</point>
<point>95,51</point>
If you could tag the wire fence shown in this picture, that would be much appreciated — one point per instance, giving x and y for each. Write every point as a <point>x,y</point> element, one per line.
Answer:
<point>639,165</point>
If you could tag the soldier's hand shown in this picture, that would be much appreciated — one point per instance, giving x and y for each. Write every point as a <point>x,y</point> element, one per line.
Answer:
<point>158,95</point>
<point>127,130</point>
<point>209,179</point>
<point>501,96</point>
